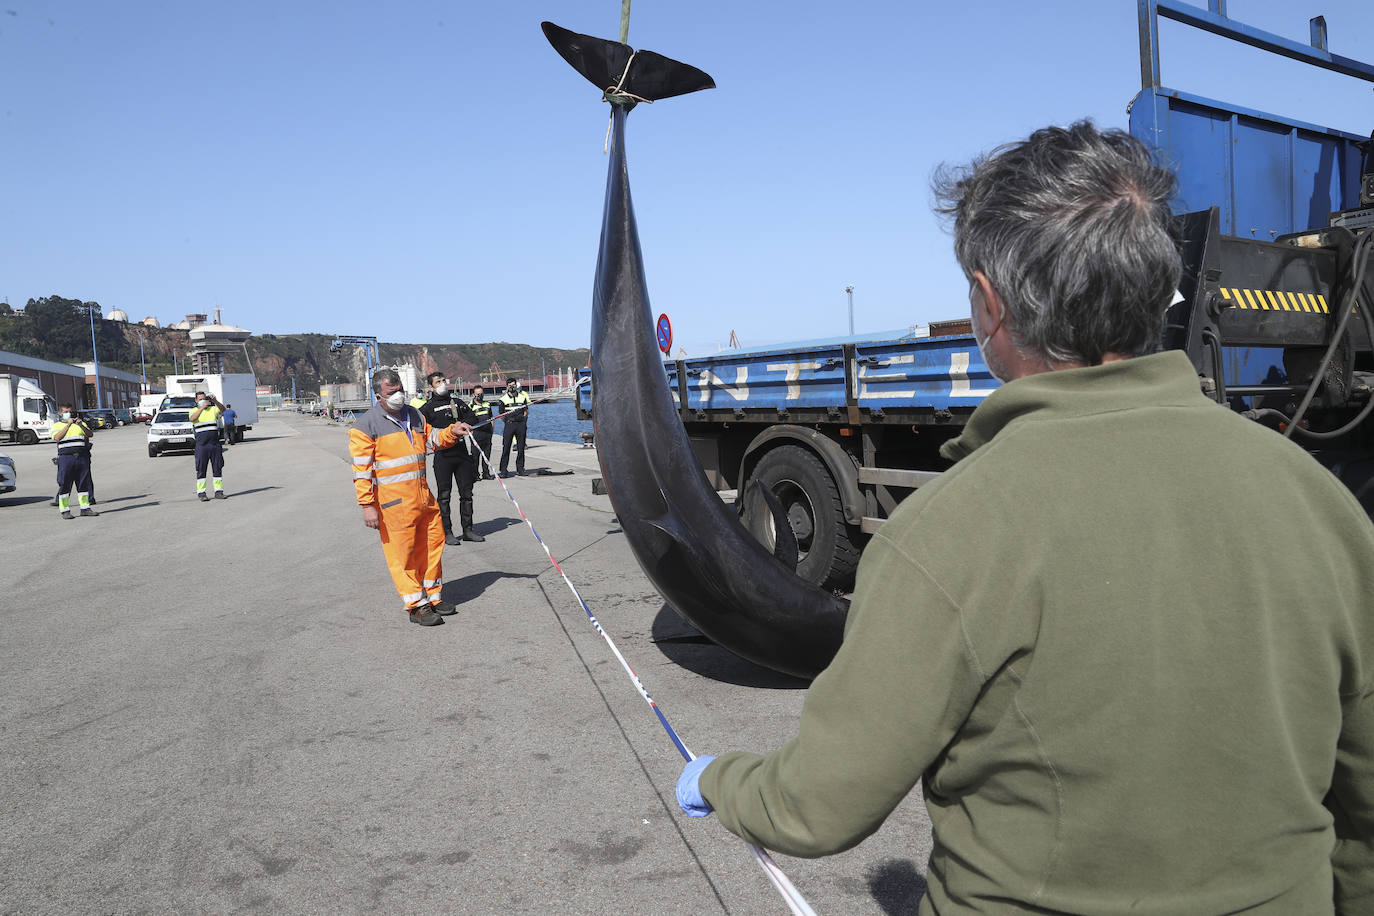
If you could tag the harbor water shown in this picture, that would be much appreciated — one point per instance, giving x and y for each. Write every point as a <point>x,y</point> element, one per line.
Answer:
<point>556,422</point>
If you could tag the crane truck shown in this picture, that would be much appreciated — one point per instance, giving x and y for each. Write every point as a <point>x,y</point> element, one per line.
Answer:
<point>1277,221</point>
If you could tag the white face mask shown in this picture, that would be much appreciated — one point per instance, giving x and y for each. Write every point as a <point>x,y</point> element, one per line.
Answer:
<point>66,415</point>
<point>397,400</point>
<point>441,389</point>
<point>203,403</point>
<point>989,360</point>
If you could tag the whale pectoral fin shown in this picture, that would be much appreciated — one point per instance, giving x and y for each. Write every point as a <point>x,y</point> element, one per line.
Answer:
<point>603,61</point>
<point>674,525</point>
<point>759,506</point>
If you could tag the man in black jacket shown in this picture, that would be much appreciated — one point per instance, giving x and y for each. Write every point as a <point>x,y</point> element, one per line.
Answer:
<point>459,463</point>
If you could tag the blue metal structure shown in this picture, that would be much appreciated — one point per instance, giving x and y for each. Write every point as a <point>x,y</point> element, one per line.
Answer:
<point>95,356</point>
<point>369,345</point>
<point>1269,175</point>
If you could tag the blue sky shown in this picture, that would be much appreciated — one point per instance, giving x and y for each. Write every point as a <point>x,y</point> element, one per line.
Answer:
<point>433,172</point>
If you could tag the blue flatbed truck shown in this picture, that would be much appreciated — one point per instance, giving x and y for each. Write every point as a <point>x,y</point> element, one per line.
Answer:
<point>1272,213</point>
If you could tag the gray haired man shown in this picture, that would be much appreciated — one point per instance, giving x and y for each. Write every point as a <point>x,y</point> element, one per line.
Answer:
<point>1126,644</point>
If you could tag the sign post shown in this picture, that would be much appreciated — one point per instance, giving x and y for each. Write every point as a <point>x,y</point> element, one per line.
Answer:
<point>665,334</point>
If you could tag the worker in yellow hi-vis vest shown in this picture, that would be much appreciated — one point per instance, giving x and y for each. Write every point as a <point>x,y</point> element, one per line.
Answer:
<point>73,438</point>
<point>515,404</point>
<point>209,453</point>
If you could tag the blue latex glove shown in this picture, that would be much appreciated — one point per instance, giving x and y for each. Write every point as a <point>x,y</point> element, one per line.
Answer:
<point>688,792</point>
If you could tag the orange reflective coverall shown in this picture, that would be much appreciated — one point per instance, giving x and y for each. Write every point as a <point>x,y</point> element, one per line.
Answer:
<point>389,473</point>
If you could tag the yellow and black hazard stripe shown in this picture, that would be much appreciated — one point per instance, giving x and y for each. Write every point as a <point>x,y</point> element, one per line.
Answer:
<point>1271,300</point>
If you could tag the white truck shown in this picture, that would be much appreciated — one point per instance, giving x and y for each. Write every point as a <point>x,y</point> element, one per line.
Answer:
<point>239,390</point>
<point>149,404</point>
<point>26,411</point>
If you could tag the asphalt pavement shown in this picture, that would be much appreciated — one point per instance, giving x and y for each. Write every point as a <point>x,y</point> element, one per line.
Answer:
<point>221,707</point>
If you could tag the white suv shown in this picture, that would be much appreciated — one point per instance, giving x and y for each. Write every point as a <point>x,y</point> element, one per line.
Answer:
<point>170,429</point>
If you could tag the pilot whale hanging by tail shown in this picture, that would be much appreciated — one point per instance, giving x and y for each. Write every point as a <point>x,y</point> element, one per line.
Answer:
<point>690,544</point>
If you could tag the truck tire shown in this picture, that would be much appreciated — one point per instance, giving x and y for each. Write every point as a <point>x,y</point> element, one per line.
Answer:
<point>152,451</point>
<point>826,555</point>
<point>28,437</point>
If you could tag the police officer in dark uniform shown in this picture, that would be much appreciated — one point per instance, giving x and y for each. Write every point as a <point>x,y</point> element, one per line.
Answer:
<point>481,409</point>
<point>459,463</point>
<point>515,403</point>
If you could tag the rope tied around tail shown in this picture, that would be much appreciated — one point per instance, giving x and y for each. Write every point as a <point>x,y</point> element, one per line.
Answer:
<point>616,95</point>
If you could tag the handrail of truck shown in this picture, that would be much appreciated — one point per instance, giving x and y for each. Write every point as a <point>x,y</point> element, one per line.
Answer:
<point>1268,174</point>
<point>1214,20</point>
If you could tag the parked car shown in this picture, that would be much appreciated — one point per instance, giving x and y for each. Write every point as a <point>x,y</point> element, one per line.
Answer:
<point>141,415</point>
<point>9,477</point>
<point>170,429</point>
<point>124,416</point>
<point>100,418</point>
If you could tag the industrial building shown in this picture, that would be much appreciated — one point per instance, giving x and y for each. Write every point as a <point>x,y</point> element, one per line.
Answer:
<point>74,384</point>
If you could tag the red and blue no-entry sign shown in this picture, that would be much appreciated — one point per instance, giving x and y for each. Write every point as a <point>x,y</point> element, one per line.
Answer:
<point>665,333</point>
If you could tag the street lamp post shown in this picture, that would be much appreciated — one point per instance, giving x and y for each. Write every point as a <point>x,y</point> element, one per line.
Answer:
<point>142,366</point>
<point>850,291</point>
<point>95,357</point>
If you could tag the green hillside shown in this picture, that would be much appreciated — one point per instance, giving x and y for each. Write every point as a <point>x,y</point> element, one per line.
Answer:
<point>60,329</point>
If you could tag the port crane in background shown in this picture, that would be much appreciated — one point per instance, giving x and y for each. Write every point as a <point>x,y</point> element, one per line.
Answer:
<point>369,345</point>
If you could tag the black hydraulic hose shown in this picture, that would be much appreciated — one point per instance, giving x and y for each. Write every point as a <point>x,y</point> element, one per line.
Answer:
<point>1368,316</point>
<point>1358,263</point>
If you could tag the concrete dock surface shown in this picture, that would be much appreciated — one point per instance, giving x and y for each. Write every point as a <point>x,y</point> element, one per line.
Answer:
<point>221,707</point>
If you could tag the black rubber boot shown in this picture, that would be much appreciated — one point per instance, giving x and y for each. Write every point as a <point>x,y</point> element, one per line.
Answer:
<point>465,517</point>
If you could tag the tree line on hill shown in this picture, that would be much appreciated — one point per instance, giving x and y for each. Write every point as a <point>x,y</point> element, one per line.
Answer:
<point>60,329</point>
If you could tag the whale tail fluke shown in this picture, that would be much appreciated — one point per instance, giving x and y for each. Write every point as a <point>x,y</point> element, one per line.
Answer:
<point>616,68</point>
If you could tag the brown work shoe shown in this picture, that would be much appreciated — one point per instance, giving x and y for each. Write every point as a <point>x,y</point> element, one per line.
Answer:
<point>425,617</point>
<point>442,608</point>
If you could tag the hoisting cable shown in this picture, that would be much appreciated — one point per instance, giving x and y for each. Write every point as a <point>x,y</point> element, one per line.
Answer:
<point>795,901</point>
<point>616,94</point>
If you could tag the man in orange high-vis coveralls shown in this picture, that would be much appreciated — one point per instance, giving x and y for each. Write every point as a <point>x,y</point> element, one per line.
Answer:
<point>388,447</point>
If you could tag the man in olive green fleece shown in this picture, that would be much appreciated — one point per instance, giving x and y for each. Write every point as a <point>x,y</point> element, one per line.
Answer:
<point>1126,643</point>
